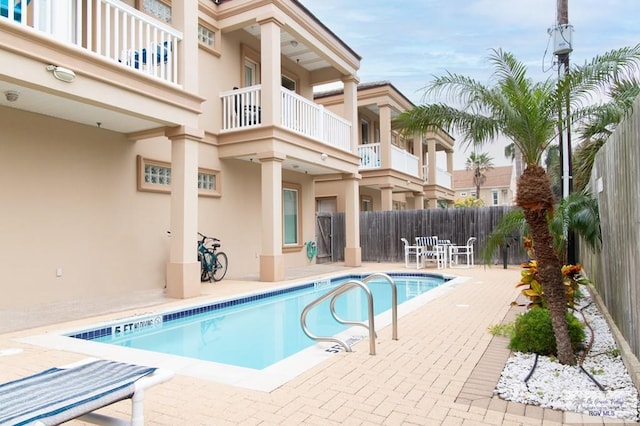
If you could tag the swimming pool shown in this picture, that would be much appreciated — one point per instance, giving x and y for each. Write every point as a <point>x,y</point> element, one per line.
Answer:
<point>276,362</point>
<point>260,330</point>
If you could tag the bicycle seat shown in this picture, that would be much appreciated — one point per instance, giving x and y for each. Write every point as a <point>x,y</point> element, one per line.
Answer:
<point>216,245</point>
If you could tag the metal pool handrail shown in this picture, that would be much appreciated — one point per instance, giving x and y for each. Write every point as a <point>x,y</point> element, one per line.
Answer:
<point>333,294</point>
<point>394,300</point>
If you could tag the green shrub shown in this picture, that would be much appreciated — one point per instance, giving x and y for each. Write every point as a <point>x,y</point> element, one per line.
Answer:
<point>533,332</point>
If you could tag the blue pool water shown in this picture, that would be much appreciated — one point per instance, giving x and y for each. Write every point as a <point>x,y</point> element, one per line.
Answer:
<point>260,330</point>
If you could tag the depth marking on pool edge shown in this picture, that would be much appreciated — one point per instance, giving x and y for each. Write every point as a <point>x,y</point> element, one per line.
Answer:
<point>338,348</point>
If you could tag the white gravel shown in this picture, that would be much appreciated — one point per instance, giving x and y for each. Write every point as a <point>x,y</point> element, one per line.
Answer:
<point>568,388</point>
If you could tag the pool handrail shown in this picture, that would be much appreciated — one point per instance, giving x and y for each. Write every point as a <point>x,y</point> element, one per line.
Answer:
<point>335,293</point>
<point>394,300</point>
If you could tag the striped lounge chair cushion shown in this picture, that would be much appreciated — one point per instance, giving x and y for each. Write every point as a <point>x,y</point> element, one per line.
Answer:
<point>59,394</point>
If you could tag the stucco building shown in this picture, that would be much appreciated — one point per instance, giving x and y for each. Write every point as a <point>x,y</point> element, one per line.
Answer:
<point>121,122</point>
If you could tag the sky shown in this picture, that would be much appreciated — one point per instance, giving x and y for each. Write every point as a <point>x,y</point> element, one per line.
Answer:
<point>408,42</point>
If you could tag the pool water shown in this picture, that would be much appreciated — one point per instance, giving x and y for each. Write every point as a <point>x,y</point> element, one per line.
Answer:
<point>258,333</point>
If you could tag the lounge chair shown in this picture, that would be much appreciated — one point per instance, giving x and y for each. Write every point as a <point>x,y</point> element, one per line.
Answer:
<point>74,391</point>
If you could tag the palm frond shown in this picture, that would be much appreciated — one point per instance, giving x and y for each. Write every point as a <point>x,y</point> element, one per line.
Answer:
<point>512,224</point>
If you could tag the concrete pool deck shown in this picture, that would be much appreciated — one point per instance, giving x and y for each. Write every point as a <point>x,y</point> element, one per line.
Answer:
<point>441,371</point>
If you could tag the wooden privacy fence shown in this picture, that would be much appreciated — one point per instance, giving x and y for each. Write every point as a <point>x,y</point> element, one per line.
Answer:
<point>615,181</point>
<point>381,231</point>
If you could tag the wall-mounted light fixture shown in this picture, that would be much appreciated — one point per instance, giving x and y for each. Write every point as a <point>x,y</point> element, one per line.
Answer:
<point>11,95</point>
<point>324,156</point>
<point>294,43</point>
<point>61,73</point>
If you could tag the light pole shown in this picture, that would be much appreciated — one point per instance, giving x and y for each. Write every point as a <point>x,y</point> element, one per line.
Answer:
<point>563,46</point>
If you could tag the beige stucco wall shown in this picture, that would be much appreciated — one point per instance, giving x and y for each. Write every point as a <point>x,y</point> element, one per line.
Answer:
<point>70,201</point>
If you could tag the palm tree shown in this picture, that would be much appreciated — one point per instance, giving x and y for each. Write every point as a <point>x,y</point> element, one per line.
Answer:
<point>599,126</point>
<point>526,113</point>
<point>480,164</point>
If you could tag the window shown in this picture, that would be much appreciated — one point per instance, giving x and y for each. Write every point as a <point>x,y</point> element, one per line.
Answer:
<point>288,83</point>
<point>291,212</point>
<point>494,197</point>
<point>156,8</point>
<point>463,194</point>
<point>366,204</point>
<point>250,73</point>
<point>207,37</point>
<point>155,176</point>
<point>364,129</point>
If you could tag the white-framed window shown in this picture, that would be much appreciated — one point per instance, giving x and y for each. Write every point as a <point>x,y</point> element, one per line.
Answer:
<point>250,73</point>
<point>291,215</point>
<point>494,197</point>
<point>155,176</point>
<point>207,36</point>
<point>463,194</point>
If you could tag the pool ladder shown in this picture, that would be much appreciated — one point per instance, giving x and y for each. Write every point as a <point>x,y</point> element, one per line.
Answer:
<point>343,288</point>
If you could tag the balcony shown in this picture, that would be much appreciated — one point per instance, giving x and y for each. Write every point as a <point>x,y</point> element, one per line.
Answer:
<point>401,160</point>
<point>443,178</point>
<point>242,109</point>
<point>107,28</point>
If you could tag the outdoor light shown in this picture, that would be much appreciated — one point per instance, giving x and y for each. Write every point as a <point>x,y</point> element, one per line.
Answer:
<point>61,73</point>
<point>11,95</point>
<point>324,156</point>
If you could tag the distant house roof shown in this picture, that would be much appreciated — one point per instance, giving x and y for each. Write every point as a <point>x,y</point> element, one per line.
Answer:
<point>496,177</point>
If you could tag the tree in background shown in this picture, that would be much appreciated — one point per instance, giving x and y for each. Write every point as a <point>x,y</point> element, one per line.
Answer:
<point>480,164</point>
<point>527,113</point>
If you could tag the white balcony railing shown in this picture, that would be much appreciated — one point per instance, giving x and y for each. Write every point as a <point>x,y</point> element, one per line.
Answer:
<point>242,108</point>
<point>401,160</point>
<point>404,161</point>
<point>443,177</point>
<point>369,156</point>
<point>110,28</point>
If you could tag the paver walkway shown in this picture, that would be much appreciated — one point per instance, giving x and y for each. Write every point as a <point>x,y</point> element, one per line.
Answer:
<point>441,371</point>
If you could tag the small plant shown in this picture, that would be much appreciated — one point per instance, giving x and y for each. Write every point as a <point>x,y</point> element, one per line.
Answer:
<point>505,330</point>
<point>532,289</point>
<point>615,352</point>
<point>533,332</point>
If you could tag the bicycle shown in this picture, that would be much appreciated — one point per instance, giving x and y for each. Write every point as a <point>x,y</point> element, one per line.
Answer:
<point>213,263</point>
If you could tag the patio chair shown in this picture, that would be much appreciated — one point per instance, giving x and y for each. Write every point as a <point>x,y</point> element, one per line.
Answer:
<point>409,251</point>
<point>466,250</point>
<point>74,391</point>
<point>429,251</point>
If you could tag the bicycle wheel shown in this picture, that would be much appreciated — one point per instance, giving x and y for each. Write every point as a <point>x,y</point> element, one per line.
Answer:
<point>220,268</point>
<point>206,263</point>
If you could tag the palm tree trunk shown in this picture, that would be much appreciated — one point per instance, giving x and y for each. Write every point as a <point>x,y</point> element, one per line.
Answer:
<point>550,274</point>
<point>536,199</point>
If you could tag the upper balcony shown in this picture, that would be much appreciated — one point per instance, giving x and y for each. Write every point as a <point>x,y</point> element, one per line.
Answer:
<point>108,28</point>
<point>95,62</point>
<point>401,160</point>
<point>443,177</point>
<point>242,109</point>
